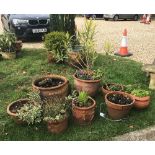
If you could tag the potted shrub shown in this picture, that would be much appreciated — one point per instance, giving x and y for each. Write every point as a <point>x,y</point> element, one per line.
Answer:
<point>118,104</point>
<point>51,85</point>
<point>56,115</point>
<point>83,108</point>
<point>110,87</point>
<point>57,44</point>
<point>8,45</point>
<point>142,98</point>
<point>86,79</point>
<point>27,110</point>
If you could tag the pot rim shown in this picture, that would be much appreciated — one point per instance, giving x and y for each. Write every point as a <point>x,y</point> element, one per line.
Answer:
<point>123,93</point>
<point>122,87</point>
<point>52,76</point>
<point>85,108</point>
<point>8,107</point>
<point>56,122</point>
<point>141,98</point>
<point>86,81</point>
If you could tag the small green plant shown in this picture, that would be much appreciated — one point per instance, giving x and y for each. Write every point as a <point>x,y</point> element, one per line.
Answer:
<point>55,110</point>
<point>108,47</point>
<point>140,92</point>
<point>114,87</point>
<point>7,42</point>
<point>82,99</point>
<point>97,74</point>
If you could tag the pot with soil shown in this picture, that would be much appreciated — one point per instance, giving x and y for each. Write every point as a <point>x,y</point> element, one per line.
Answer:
<point>12,109</point>
<point>142,98</point>
<point>83,109</point>
<point>110,87</point>
<point>88,81</point>
<point>118,104</point>
<point>51,85</point>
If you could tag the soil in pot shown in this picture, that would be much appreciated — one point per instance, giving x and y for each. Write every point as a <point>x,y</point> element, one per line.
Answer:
<point>84,115</point>
<point>118,104</point>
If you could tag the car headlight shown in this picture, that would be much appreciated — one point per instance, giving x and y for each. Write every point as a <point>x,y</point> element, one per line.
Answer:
<point>17,22</point>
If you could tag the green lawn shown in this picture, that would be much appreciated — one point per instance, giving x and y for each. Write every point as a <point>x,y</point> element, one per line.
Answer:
<point>15,82</point>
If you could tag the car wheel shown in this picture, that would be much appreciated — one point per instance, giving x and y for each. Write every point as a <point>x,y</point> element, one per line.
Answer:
<point>135,18</point>
<point>116,17</point>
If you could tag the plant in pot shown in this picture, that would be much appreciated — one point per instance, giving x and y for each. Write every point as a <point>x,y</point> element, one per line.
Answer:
<point>118,104</point>
<point>51,85</point>
<point>57,45</point>
<point>56,115</point>
<point>8,45</point>
<point>26,111</point>
<point>83,108</point>
<point>86,79</point>
<point>142,98</point>
<point>110,87</point>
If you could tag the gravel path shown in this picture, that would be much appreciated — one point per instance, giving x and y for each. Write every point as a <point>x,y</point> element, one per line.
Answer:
<point>140,37</point>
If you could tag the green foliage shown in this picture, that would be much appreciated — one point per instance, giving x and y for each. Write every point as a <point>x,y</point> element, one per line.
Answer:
<point>82,99</point>
<point>140,92</point>
<point>30,113</point>
<point>108,47</point>
<point>55,109</point>
<point>97,74</point>
<point>7,42</point>
<point>114,87</point>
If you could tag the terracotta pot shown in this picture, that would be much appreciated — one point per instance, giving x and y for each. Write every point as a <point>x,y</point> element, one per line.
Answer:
<point>8,55</point>
<point>60,91</point>
<point>84,115</point>
<point>89,86</point>
<point>141,102</point>
<point>117,111</point>
<point>18,45</point>
<point>50,57</point>
<point>13,114</point>
<point>105,90</point>
<point>57,126</point>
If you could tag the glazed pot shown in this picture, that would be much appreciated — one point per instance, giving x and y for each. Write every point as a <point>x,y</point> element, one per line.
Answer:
<point>89,86</point>
<point>17,103</point>
<point>8,55</point>
<point>84,115</point>
<point>118,111</point>
<point>57,127</point>
<point>105,90</point>
<point>59,91</point>
<point>141,102</point>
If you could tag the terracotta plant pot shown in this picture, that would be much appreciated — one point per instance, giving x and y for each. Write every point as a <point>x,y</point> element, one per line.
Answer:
<point>18,47</point>
<point>89,86</point>
<point>10,108</point>
<point>118,111</point>
<point>84,115</point>
<point>141,102</point>
<point>74,58</point>
<point>8,55</point>
<point>57,126</point>
<point>60,90</point>
<point>50,57</point>
<point>105,90</point>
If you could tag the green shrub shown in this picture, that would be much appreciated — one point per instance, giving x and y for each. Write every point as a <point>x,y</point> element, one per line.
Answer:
<point>140,93</point>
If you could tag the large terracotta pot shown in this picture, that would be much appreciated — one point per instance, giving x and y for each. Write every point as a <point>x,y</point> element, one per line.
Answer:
<point>141,102</point>
<point>105,90</point>
<point>89,86</point>
<point>118,111</point>
<point>57,126</point>
<point>18,103</point>
<point>60,91</point>
<point>84,115</point>
<point>8,55</point>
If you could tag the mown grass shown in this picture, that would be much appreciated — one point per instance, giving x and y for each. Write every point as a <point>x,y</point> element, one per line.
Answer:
<point>15,82</point>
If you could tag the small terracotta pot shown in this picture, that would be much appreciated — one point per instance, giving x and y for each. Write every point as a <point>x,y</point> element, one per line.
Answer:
<point>18,45</point>
<point>57,127</point>
<point>50,57</point>
<point>105,91</point>
<point>8,55</point>
<point>84,115</point>
<point>14,115</point>
<point>60,91</point>
<point>117,111</point>
<point>89,86</point>
<point>141,102</point>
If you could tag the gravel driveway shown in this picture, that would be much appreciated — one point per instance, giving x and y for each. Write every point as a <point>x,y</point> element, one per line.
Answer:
<point>140,37</point>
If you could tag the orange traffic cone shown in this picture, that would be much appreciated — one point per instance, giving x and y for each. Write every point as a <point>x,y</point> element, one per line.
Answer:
<point>124,48</point>
<point>148,19</point>
<point>143,19</point>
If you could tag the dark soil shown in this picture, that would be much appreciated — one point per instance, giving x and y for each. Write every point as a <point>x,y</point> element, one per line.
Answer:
<point>119,99</point>
<point>15,107</point>
<point>49,82</point>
